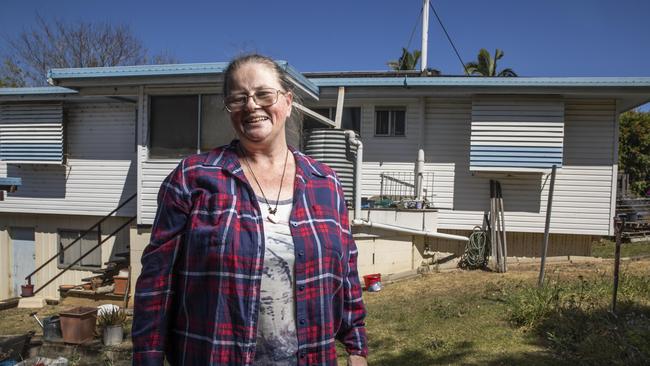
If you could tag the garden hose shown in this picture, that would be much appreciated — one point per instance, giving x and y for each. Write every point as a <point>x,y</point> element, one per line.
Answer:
<point>476,251</point>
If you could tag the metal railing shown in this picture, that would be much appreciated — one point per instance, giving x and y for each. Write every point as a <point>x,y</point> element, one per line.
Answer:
<point>28,278</point>
<point>401,185</point>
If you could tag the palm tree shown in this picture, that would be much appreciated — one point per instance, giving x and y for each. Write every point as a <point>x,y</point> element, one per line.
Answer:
<point>408,60</point>
<point>487,66</point>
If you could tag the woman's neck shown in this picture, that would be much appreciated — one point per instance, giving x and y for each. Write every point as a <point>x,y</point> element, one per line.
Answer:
<point>262,153</point>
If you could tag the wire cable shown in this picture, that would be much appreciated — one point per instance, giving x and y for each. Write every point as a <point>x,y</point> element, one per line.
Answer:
<point>417,21</point>
<point>448,37</point>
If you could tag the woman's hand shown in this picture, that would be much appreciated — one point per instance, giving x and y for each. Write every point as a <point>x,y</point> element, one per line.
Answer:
<point>355,360</point>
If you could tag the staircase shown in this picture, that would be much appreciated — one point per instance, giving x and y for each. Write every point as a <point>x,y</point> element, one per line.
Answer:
<point>104,276</point>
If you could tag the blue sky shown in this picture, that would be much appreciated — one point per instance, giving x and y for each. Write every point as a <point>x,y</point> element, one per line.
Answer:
<point>540,38</point>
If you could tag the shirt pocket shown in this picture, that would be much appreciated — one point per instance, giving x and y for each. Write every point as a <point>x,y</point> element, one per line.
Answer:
<point>326,221</point>
<point>213,219</point>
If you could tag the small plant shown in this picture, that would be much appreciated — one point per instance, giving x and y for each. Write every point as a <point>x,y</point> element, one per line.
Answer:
<point>111,317</point>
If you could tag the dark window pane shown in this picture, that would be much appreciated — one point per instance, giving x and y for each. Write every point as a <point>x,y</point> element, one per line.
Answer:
<point>66,237</point>
<point>352,119</point>
<point>399,123</point>
<point>309,123</point>
<point>216,129</point>
<point>381,123</point>
<point>173,127</point>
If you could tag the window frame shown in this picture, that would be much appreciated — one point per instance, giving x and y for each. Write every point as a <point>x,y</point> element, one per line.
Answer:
<point>391,120</point>
<point>61,260</point>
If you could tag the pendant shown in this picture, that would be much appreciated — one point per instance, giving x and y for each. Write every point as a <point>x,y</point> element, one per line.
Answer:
<point>274,219</point>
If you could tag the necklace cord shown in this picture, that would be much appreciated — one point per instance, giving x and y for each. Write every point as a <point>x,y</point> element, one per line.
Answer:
<point>284,169</point>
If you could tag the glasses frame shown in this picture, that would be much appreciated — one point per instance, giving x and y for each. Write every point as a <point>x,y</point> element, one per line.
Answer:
<point>254,96</point>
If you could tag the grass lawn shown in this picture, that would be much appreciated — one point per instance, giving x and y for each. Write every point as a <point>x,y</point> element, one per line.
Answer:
<point>483,318</point>
<point>605,249</point>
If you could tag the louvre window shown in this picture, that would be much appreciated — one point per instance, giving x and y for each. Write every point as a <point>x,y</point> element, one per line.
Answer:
<point>516,134</point>
<point>31,133</point>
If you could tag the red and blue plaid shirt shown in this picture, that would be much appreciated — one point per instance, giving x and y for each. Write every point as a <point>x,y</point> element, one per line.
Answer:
<point>197,298</point>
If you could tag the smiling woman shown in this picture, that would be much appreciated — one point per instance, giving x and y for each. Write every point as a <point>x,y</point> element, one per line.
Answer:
<point>251,259</point>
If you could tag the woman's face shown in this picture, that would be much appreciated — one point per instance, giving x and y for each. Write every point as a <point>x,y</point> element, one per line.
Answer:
<point>254,123</point>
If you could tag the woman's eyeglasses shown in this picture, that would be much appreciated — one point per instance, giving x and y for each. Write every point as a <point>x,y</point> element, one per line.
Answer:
<point>263,98</point>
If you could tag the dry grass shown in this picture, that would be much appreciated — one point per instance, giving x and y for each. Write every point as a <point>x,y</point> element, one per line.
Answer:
<point>457,318</point>
<point>460,318</point>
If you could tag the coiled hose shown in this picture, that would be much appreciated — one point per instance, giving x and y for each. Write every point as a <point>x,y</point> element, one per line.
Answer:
<point>476,251</point>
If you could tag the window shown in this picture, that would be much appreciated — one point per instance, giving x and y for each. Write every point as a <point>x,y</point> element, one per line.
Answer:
<point>181,125</point>
<point>93,260</point>
<point>351,119</point>
<point>31,133</point>
<point>390,122</point>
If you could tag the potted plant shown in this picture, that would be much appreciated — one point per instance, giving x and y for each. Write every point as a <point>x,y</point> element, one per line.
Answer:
<point>112,321</point>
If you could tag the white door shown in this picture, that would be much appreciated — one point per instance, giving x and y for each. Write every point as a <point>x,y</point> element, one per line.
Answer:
<point>24,258</point>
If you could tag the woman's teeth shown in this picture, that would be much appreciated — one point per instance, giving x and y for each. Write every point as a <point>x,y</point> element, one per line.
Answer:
<point>257,119</point>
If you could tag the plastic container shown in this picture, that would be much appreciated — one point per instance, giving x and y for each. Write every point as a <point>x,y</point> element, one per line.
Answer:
<point>52,329</point>
<point>26,290</point>
<point>113,335</point>
<point>120,285</point>
<point>78,324</point>
<point>372,282</point>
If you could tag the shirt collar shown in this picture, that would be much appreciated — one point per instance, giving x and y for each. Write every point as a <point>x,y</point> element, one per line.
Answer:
<point>226,157</point>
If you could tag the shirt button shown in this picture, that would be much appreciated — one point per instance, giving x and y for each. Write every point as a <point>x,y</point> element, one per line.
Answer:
<point>301,253</point>
<point>302,354</point>
<point>294,224</point>
<point>302,322</point>
<point>301,287</point>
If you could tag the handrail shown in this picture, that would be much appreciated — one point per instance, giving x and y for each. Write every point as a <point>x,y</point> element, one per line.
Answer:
<point>29,276</point>
<point>85,255</point>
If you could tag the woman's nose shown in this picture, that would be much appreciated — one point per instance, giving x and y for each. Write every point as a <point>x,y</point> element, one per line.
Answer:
<point>251,105</point>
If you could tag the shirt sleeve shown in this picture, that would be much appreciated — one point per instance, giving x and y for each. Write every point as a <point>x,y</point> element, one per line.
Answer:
<point>154,288</point>
<point>353,328</point>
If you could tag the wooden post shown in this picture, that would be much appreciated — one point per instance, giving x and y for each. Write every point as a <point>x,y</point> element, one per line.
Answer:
<point>549,204</point>
<point>339,107</point>
<point>619,225</point>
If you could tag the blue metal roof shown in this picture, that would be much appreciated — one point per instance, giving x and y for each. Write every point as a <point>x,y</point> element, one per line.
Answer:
<point>139,70</point>
<point>45,90</point>
<point>473,81</point>
<point>165,70</point>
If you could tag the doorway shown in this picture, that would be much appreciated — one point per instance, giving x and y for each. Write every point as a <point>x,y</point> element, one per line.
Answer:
<point>24,256</point>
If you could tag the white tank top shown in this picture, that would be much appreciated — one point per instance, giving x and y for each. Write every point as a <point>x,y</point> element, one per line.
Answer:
<point>277,342</point>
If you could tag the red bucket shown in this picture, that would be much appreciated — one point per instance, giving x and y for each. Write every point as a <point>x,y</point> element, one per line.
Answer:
<point>372,282</point>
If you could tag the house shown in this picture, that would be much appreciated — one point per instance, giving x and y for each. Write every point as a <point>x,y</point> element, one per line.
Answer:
<point>100,136</point>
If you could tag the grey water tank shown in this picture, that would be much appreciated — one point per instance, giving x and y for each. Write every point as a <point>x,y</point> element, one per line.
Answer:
<point>331,146</point>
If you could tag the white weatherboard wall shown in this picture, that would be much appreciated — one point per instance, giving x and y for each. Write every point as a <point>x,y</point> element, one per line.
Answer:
<point>583,191</point>
<point>100,170</point>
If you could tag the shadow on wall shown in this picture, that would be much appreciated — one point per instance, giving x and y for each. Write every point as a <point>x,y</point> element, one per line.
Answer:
<point>521,192</point>
<point>129,189</point>
<point>39,181</point>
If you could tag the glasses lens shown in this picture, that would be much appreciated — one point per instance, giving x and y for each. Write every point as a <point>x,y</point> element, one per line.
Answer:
<point>263,98</point>
<point>266,97</point>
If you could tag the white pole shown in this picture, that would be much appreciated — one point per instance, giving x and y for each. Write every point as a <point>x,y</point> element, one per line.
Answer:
<point>425,34</point>
<point>419,175</point>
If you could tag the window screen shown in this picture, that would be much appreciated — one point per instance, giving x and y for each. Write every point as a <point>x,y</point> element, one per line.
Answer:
<point>174,122</point>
